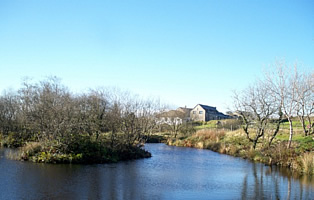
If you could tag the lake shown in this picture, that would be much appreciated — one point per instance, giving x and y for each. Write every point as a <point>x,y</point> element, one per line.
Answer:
<point>171,173</point>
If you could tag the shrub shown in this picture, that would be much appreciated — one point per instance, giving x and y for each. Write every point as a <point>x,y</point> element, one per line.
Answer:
<point>187,130</point>
<point>12,140</point>
<point>214,146</point>
<point>280,155</point>
<point>198,123</point>
<point>231,124</point>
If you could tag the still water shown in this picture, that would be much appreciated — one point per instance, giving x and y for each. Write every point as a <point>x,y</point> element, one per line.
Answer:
<point>172,173</point>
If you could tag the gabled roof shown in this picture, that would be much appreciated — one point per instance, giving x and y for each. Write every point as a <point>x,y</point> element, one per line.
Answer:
<point>172,113</point>
<point>207,108</point>
<point>184,109</point>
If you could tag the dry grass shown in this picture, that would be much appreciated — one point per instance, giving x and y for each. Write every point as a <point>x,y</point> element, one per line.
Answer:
<point>307,160</point>
<point>212,135</point>
<point>30,149</point>
<point>32,146</point>
<point>19,154</point>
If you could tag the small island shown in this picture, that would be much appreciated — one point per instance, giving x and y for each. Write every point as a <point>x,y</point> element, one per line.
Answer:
<point>49,124</point>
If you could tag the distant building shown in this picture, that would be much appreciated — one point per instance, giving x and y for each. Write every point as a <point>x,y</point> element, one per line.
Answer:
<point>198,113</point>
<point>187,111</point>
<point>236,114</point>
<point>172,117</point>
<point>206,113</point>
<point>178,116</point>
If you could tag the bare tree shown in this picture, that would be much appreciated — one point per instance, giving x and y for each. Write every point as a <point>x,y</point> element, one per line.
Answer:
<point>9,110</point>
<point>256,108</point>
<point>114,120</point>
<point>28,98</point>
<point>305,101</point>
<point>174,120</point>
<point>102,119</point>
<point>148,116</point>
<point>99,106</point>
<point>283,84</point>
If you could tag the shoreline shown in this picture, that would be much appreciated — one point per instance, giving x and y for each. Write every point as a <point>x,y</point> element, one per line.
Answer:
<point>275,155</point>
<point>95,154</point>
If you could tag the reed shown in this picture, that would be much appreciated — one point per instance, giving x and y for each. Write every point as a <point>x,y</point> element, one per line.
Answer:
<point>307,160</point>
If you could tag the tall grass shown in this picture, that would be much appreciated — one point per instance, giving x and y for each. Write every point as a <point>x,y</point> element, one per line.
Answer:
<point>307,160</point>
<point>30,149</point>
<point>212,135</point>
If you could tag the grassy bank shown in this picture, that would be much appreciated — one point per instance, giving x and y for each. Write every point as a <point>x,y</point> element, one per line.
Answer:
<point>299,158</point>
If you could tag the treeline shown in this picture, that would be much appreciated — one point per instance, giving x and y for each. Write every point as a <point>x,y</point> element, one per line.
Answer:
<point>105,122</point>
<point>282,95</point>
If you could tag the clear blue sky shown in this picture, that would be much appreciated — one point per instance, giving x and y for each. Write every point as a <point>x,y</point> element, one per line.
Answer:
<point>185,52</point>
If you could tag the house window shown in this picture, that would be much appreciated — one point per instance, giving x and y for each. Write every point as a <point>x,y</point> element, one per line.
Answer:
<point>201,112</point>
<point>194,112</point>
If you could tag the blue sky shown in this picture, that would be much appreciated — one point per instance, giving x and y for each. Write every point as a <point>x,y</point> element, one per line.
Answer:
<point>184,52</point>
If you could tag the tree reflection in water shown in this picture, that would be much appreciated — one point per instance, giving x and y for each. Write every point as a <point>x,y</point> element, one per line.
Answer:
<point>264,182</point>
<point>172,173</point>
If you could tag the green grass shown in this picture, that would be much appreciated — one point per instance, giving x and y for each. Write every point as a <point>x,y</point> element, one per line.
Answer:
<point>304,143</point>
<point>295,124</point>
<point>285,137</point>
<point>207,125</point>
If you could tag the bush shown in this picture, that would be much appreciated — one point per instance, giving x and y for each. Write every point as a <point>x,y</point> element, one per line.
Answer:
<point>214,146</point>
<point>198,123</point>
<point>231,124</point>
<point>47,157</point>
<point>12,140</point>
<point>281,155</point>
<point>187,130</point>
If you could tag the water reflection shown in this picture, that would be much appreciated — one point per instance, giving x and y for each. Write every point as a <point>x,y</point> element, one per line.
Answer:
<point>264,182</point>
<point>172,173</point>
